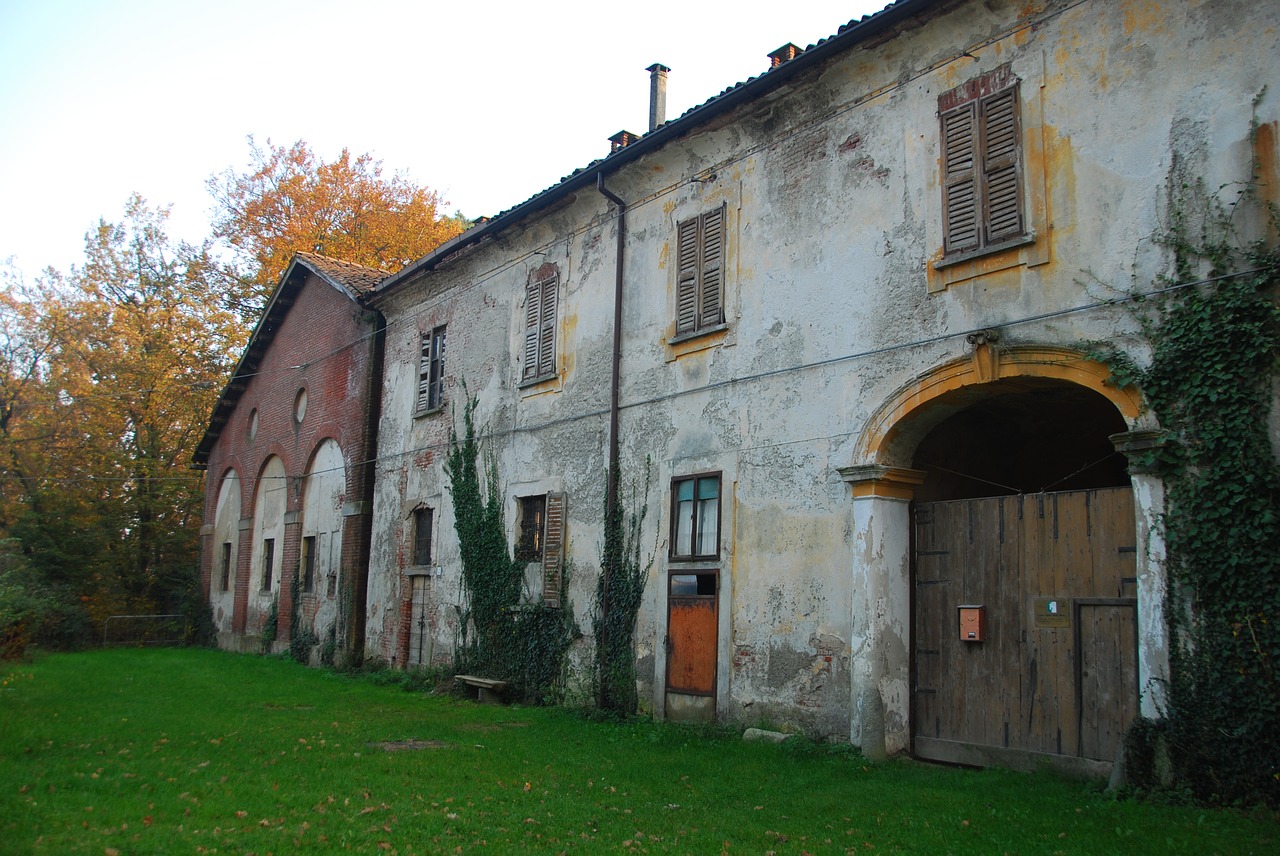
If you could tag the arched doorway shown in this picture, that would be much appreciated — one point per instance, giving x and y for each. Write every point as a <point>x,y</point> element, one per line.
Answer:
<point>1024,589</point>
<point>959,480</point>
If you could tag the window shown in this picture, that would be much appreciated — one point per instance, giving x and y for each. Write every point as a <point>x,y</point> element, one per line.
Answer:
<point>695,517</point>
<point>422,536</point>
<point>700,281</point>
<point>540,323</point>
<point>300,405</point>
<point>307,562</point>
<point>981,163</point>
<point>431,372</point>
<point>225,566</point>
<point>268,561</point>
<point>533,512</point>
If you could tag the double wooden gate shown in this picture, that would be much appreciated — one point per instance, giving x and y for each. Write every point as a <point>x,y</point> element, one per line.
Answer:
<point>1055,670</point>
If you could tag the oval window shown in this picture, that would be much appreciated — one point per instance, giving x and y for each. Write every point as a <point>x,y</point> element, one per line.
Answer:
<point>300,405</point>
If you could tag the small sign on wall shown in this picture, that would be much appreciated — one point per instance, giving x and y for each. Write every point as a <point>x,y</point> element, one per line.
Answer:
<point>973,623</point>
<point>1052,612</point>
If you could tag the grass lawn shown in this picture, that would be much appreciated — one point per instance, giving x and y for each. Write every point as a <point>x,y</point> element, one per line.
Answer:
<point>192,751</point>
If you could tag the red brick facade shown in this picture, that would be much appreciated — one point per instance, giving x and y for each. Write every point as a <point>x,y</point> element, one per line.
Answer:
<point>315,336</point>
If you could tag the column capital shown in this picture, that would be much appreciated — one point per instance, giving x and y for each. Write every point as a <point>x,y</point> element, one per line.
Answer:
<point>1139,447</point>
<point>881,480</point>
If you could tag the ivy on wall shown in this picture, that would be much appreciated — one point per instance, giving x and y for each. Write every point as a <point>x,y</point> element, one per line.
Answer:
<point>501,638</point>
<point>618,594</point>
<point>1211,382</point>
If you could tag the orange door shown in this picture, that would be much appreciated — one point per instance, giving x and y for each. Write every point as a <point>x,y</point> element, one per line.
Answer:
<point>691,634</point>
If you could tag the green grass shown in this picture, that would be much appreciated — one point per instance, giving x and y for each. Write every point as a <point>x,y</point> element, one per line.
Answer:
<point>188,751</point>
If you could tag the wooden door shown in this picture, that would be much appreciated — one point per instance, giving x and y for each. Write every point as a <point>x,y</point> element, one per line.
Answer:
<point>419,629</point>
<point>1041,568</point>
<point>691,634</point>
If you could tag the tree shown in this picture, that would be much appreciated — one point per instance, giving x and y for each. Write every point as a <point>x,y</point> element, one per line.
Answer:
<point>291,200</point>
<point>109,376</point>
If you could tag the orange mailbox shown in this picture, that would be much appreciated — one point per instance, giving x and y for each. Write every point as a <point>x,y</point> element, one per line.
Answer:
<point>973,623</point>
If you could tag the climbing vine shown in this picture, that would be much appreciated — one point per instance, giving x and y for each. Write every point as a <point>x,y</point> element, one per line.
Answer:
<point>301,639</point>
<point>618,594</point>
<point>1211,382</point>
<point>499,637</point>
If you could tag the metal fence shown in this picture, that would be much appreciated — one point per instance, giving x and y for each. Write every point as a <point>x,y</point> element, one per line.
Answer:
<point>143,630</point>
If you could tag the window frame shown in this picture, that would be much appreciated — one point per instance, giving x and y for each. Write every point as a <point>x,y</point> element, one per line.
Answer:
<point>541,305</point>
<point>225,565</point>
<point>981,158</point>
<point>695,531</point>
<point>307,563</point>
<point>531,535</point>
<point>268,563</point>
<point>431,363</point>
<point>422,536</point>
<point>700,266</point>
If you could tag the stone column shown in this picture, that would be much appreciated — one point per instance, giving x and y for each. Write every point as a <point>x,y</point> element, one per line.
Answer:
<point>880,637</point>
<point>1153,580</point>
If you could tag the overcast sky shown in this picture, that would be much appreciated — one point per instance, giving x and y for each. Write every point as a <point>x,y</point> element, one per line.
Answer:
<point>487,103</point>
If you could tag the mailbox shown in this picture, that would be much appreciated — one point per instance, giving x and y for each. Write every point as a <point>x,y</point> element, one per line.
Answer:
<point>973,623</point>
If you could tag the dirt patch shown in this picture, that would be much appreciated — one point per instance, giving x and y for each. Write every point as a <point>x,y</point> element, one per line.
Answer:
<point>406,745</point>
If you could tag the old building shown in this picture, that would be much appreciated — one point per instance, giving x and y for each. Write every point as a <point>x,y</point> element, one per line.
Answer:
<point>889,497</point>
<point>838,314</point>
<point>287,451</point>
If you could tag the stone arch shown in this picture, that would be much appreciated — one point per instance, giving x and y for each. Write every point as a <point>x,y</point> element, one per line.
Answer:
<point>884,479</point>
<point>891,435</point>
<point>270,505</point>
<point>226,550</point>
<point>320,557</point>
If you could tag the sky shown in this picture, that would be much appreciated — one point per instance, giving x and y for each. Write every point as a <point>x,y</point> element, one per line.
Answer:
<point>486,103</point>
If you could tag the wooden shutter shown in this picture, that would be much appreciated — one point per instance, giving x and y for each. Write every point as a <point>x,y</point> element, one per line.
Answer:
<point>547,327</point>
<point>959,177</point>
<point>687,282</point>
<point>553,550</point>
<point>710,309</point>
<point>532,310</point>
<point>424,373</point>
<point>1000,170</point>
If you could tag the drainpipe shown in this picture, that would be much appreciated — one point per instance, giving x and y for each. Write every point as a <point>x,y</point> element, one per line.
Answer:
<point>611,492</point>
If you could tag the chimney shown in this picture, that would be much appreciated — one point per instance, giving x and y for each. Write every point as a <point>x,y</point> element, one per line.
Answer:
<point>657,94</point>
<point>786,53</point>
<point>621,140</point>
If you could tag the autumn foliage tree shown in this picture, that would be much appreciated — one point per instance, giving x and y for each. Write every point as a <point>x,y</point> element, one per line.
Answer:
<point>291,200</point>
<point>110,373</point>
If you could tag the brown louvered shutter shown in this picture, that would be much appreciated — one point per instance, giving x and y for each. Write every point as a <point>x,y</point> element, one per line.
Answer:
<point>1000,168</point>
<point>424,373</point>
<point>553,550</point>
<point>959,175</point>
<point>532,309</point>
<point>547,328</point>
<point>687,281</point>
<point>710,303</point>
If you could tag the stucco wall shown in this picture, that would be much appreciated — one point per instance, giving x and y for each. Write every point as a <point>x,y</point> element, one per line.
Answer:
<point>833,305</point>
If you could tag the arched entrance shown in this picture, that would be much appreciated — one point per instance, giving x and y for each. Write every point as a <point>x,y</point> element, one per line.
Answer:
<point>1000,561</point>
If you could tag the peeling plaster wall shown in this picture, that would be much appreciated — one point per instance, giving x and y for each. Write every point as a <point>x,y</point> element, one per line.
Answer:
<point>833,305</point>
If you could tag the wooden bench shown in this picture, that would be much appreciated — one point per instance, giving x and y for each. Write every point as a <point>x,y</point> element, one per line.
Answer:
<point>488,691</point>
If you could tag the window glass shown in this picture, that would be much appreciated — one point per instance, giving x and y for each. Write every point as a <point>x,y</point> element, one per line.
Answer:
<point>696,517</point>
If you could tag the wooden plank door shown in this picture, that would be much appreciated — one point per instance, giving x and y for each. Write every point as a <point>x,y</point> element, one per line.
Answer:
<point>419,629</point>
<point>1048,677</point>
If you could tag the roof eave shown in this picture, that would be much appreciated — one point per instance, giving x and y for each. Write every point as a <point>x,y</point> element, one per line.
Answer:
<point>757,87</point>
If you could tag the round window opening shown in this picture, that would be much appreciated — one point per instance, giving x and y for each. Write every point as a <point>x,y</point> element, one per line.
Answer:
<point>253,424</point>
<point>300,405</point>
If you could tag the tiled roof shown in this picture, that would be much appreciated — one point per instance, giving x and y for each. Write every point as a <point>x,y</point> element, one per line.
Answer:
<point>356,278</point>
